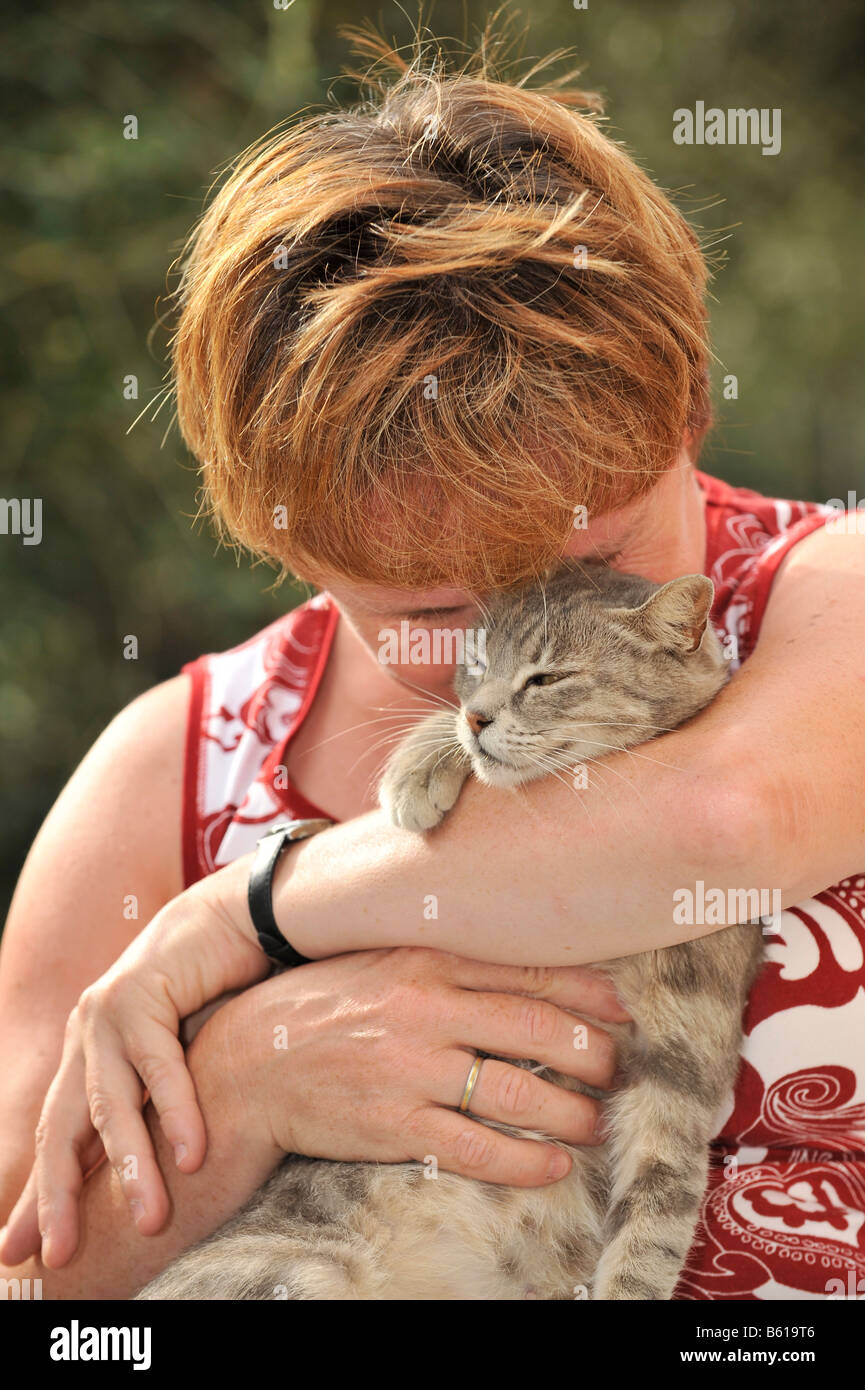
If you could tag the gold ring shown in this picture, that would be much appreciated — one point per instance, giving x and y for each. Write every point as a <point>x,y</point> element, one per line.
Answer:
<point>472,1081</point>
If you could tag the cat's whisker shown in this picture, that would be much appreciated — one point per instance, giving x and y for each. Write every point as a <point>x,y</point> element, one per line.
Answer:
<point>429,695</point>
<point>602,764</point>
<point>616,748</point>
<point>413,709</point>
<point>567,758</point>
<point>405,709</point>
<point>443,754</point>
<point>558,758</point>
<point>548,760</point>
<point>382,744</point>
<point>397,737</point>
<point>632,753</point>
<point>364,723</point>
<point>617,724</point>
<point>394,737</point>
<point>553,770</point>
<point>427,751</point>
<point>484,610</point>
<point>599,788</point>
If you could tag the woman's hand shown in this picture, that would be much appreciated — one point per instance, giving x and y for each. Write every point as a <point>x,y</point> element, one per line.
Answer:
<point>365,1057</point>
<point>384,1037</point>
<point>122,1039</point>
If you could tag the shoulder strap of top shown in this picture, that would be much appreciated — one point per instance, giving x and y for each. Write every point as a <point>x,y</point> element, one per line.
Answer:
<point>747,537</point>
<point>245,705</point>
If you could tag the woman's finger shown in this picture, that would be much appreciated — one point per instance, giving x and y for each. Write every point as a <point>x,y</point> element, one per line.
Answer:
<point>63,1136</point>
<point>576,987</point>
<point>160,1061</point>
<point>21,1237</point>
<point>532,1028</point>
<point>461,1145</point>
<point>514,1096</point>
<point>115,1095</point>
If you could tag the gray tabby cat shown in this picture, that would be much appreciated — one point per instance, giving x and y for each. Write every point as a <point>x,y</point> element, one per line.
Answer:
<point>591,661</point>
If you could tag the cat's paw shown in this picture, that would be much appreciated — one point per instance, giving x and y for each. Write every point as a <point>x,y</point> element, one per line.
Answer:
<point>419,800</point>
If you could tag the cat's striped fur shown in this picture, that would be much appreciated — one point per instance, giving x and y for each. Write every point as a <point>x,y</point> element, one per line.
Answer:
<point>624,659</point>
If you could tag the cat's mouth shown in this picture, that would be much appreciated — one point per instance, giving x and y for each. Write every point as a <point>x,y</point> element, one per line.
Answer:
<point>499,769</point>
<point>496,771</point>
<point>488,758</point>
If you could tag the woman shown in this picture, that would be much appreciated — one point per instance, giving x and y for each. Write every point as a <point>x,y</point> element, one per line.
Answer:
<point>424,348</point>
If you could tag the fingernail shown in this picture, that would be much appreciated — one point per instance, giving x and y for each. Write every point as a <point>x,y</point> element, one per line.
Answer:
<point>608,981</point>
<point>558,1165</point>
<point>136,1208</point>
<point>602,1128</point>
<point>180,1152</point>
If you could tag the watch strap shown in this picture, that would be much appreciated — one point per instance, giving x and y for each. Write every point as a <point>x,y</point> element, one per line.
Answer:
<point>260,888</point>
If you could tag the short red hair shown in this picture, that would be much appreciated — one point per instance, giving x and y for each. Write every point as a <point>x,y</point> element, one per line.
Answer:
<point>416,333</point>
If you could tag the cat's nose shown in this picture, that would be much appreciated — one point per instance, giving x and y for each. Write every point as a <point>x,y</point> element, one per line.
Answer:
<point>476,721</point>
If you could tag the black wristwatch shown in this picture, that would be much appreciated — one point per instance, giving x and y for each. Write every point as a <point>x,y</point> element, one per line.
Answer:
<point>270,847</point>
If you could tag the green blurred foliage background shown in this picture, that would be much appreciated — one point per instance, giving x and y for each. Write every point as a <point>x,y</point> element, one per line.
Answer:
<point>93,221</point>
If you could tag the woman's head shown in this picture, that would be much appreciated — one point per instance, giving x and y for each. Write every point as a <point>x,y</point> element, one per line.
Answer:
<point>417,334</point>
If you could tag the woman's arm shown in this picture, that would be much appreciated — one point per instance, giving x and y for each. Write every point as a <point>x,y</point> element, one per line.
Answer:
<point>110,847</point>
<point>361,1058</point>
<point>105,861</point>
<point>113,1261</point>
<point>759,791</point>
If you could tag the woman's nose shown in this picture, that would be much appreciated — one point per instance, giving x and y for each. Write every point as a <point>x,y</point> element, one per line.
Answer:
<point>476,721</point>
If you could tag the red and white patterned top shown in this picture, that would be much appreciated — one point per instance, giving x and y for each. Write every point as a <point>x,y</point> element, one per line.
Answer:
<point>784,1211</point>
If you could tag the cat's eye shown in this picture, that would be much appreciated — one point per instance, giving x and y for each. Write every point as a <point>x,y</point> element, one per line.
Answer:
<point>546,678</point>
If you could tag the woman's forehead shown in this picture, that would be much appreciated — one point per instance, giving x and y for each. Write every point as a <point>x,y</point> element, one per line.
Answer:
<point>383,599</point>
<point>601,538</point>
<point>604,541</point>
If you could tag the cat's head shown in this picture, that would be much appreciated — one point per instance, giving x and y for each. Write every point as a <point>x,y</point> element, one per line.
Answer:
<point>588,662</point>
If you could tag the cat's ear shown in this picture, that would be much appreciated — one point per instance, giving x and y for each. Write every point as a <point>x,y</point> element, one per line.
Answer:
<point>675,616</point>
